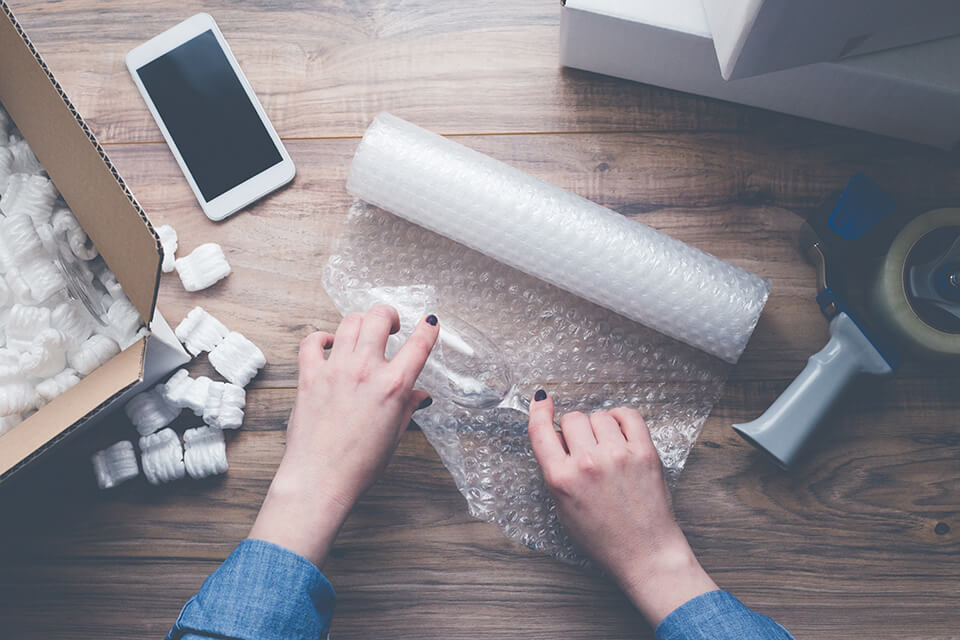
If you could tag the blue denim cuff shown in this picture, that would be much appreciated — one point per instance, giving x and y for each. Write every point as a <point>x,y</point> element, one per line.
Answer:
<point>262,591</point>
<point>717,615</point>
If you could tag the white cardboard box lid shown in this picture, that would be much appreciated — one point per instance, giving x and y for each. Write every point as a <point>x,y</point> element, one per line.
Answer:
<point>931,64</point>
<point>753,37</point>
<point>912,93</point>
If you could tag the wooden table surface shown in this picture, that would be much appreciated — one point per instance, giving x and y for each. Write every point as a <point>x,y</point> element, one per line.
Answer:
<point>860,541</point>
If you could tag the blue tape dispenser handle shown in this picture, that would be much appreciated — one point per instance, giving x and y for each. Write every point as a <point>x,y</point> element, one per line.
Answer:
<point>861,207</point>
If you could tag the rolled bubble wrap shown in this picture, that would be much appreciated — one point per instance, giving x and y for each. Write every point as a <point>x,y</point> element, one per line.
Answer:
<point>559,237</point>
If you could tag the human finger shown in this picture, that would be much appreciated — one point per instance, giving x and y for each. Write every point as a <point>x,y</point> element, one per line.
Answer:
<point>313,346</point>
<point>632,425</point>
<point>378,323</point>
<point>546,442</point>
<point>606,429</point>
<point>415,351</point>
<point>345,340</point>
<point>577,432</point>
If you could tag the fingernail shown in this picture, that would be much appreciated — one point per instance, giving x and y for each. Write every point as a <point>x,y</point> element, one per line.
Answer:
<point>432,320</point>
<point>540,395</point>
<point>425,403</point>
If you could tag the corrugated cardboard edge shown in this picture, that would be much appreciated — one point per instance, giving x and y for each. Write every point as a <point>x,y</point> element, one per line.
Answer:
<point>41,436</point>
<point>47,436</point>
<point>146,311</point>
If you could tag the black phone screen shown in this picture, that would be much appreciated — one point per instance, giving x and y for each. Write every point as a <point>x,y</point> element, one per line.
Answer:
<point>206,110</point>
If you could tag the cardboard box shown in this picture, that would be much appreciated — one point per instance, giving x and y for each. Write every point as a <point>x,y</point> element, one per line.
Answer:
<point>753,37</point>
<point>110,215</point>
<point>911,93</point>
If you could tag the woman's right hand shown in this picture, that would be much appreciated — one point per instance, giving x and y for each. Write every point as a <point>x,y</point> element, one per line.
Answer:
<point>607,479</point>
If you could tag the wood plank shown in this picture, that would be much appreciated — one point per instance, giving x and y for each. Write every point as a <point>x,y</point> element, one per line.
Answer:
<point>729,194</point>
<point>325,69</point>
<point>850,532</point>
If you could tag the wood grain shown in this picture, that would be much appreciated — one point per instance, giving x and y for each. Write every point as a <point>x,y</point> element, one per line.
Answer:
<point>721,192</point>
<point>846,546</point>
<point>859,541</point>
<point>324,69</point>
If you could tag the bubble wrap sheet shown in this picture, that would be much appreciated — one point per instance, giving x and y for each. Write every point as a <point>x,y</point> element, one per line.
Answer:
<point>587,356</point>
<point>557,236</point>
<point>599,310</point>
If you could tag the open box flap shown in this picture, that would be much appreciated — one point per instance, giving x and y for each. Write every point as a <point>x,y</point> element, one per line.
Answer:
<point>40,431</point>
<point>78,166</point>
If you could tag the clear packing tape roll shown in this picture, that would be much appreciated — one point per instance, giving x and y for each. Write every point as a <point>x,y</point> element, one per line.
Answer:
<point>539,300</point>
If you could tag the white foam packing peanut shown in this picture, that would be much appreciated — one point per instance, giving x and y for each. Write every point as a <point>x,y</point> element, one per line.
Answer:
<point>29,195</point>
<point>168,240</point>
<point>65,224</point>
<point>224,407</point>
<point>237,359</point>
<point>123,322</point>
<point>47,355</point>
<point>557,236</point>
<point>149,411</point>
<point>6,165</point>
<point>30,272</point>
<point>10,368</point>
<point>203,267</point>
<point>115,464</point>
<point>17,397</point>
<point>43,278</point>
<point>21,242</point>
<point>200,331</point>
<point>6,297</point>
<point>19,289</point>
<point>73,321</point>
<point>23,324</point>
<point>161,456</point>
<point>109,282</point>
<point>93,352</point>
<point>205,452</point>
<point>24,161</point>
<point>55,385</point>
<point>7,423</point>
<point>187,393</point>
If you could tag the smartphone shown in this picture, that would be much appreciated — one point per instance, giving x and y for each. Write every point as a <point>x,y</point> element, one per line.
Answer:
<point>216,128</point>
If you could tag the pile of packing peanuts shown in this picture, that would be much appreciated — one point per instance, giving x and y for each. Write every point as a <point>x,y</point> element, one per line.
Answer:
<point>50,340</point>
<point>219,404</point>
<point>49,337</point>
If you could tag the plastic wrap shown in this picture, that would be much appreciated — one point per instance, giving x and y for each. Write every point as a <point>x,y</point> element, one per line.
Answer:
<point>587,356</point>
<point>557,236</point>
<point>554,292</point>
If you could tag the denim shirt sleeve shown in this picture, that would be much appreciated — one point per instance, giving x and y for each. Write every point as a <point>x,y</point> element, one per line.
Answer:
<point>261,592</point>
<point>717,615</point>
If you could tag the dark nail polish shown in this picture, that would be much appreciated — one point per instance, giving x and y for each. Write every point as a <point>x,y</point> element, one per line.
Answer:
<point>425,403</point>
<point>432,320</point>
<point>540,395</point>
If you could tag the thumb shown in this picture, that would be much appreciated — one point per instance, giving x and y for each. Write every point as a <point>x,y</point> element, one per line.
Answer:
<point>419,399</point>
